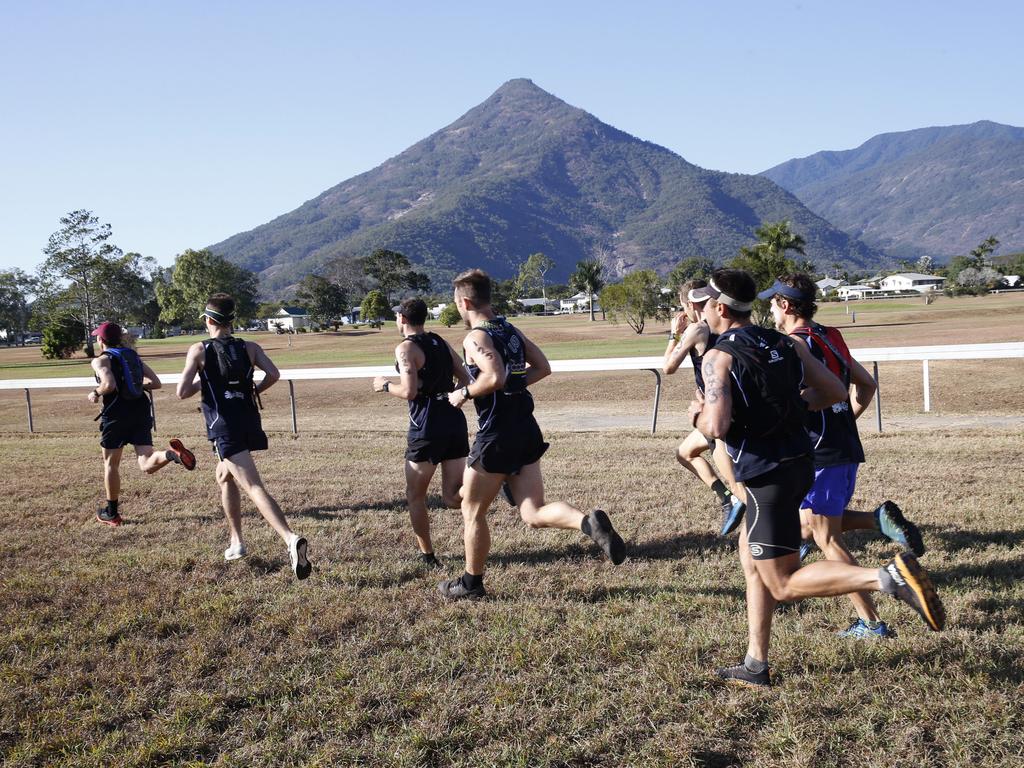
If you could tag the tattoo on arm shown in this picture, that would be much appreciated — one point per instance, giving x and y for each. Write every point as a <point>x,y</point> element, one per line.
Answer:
<point>482,351</point>
<point>403,362</point>
<point>712,383</point>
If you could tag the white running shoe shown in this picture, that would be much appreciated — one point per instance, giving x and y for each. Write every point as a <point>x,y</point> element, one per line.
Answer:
<point>235,552</point>
<point>300,562</point>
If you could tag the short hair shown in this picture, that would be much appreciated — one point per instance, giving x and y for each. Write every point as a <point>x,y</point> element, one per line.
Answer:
<point>739,285</point>
<point>804,308</point>
<point>224,305</point>
<point>688,286</point>
<point>475,285</point>
<point>414,311</point>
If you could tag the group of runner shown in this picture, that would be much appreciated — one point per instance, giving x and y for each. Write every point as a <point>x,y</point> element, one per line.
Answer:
<point>773,406</point>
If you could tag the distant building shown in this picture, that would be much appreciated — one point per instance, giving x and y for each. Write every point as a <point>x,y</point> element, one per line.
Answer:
<point>435,312</point>
<point>912,281</point>
<point>578,303</point>
<point>1012,281</point>
<point>549,305</point>
<point>829,284</point>
<point>288,319</point>
<point>856,291</point>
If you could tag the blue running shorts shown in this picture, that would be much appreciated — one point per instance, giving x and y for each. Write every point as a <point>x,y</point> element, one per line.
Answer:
<point>832,490</point>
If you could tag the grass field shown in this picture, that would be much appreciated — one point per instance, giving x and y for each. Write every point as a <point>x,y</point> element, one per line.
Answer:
<point>140,646</point>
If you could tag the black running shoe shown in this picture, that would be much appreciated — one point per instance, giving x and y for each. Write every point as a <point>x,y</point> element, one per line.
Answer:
<point>506,491</point>
<point>743,676</point>
<point>806,547</point>
<point>605,536</point>
<point>105,516</point>
<point>429,560</point>
<point>895,527</point>
<point>454,589</point>
<point>732,513</point>
<point>297,553</point>
<point>906,580</point>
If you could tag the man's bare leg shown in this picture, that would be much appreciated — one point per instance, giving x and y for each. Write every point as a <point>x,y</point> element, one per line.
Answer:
<point>149,460</point>
<point>243,470</point>
<point>479,488</point>
<point>417,481</point>
<point>688,454</point>
<point>231,501</point>
<point>112,473</point>
<point>827,534</point>
<point>452,472</point>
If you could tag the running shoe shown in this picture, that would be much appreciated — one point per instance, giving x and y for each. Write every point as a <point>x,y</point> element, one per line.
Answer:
<point>182,455</point>
<point>235,552</point>
<point>105,516</point>
<point>806,547</point>
<point>732,513</point>
<point>605,536</point>
<point>743,676</point>
<point>906,580</point>
<point>506,491</point>
<point>297,550</point>
<point>429,560</point>
<point>454,589</point>
<point>896,527</point>
<point>861,630</point>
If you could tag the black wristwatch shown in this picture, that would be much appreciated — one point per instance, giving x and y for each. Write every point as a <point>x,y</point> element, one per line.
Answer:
<point>386,387</point>
<point>465,392</point>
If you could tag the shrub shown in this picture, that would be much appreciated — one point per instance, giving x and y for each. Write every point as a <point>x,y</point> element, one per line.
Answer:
<point>62,337</point>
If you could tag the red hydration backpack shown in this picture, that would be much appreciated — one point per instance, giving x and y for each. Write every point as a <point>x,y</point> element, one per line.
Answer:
<point>837,354</point>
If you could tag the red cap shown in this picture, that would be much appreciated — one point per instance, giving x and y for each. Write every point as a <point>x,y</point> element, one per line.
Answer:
<point>107,331</point>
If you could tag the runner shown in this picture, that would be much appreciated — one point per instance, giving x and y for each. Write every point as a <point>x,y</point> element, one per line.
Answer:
<point>427,366</point>
<point>691,336</point>
<point>758,384</point>
<point>123,384</point>
<point>837,446</point>
<point>502,364</point>
<point>225,366</point>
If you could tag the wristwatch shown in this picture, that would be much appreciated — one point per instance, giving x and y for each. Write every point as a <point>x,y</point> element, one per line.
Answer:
<point>465,393</point>
<point>386,387</point>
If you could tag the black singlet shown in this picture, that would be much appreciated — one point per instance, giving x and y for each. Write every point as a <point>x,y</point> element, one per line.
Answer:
<point>698,360</point>
<point>227,410</point>
<point>506,408</point>
<point>435,381</point>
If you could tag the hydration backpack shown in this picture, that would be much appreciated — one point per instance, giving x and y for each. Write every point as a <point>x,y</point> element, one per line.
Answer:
<point>233,363</point>
<point>769,367</point>
<point>127,369</point>
<point>836,353</point>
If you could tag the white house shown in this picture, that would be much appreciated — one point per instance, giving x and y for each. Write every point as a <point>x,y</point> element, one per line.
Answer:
<point>578,303</point>
<point>1012,281</point>
<point>912,281</point>
<point>829,284</point>
<point>288,319</point>
<point>856,291</point>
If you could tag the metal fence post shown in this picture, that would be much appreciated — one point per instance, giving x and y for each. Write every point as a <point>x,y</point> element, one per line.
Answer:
<point>291,397</point>
<point>28,402</point>
<point>878,399</point>
<point>657,398</point>
<point>927,386</point>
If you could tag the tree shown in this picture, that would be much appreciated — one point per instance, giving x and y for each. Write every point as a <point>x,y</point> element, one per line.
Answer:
<point>588,277</point>
<point>635,299</point>
<point>75,256</point>
<point>15,288</point>
<point>767,260</point>
<point>692,268</point>
<point>501,296</point>
<point>196,275</point>
<point>391,271</point>
<point>925,265</point>
<point>325,301</point>
<point>450,315</point>
<point>531,275</point>
<point>981,256</point>
<point>268,309</point>
<point>62,337</point>
<point>374,309</point>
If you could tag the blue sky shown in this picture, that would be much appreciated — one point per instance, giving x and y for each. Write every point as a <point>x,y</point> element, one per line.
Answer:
<point>183,123</point>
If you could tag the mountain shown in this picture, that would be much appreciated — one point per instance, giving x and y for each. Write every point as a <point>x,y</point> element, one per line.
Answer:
<point>525,172</point>
<point>936,191</point>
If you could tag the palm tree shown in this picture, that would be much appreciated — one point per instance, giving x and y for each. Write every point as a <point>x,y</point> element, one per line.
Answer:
<point>767,260</point>
<point>587,277</point>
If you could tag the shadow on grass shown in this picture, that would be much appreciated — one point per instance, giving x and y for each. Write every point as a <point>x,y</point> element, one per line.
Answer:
<point>956,539</point>
<point>1004,574</point>
<point>599,594</point>
<point>339,512</point>
<point>712,759</point>
<point>680,545</point>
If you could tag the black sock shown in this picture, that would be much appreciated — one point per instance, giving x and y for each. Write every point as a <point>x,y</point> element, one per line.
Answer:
<point>469,581</point>
<point>755,665</point>
<point>172,457</point>
<point>585,526</point>
<point>112,506</point>
<point>719,488</point>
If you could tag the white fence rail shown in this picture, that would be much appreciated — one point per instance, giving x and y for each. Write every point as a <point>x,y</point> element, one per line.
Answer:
<point>872,355</point>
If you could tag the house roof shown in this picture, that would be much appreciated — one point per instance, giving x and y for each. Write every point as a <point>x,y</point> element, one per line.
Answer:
<point>829,282</point>
<point>915,276</point>
<point>293,311</point>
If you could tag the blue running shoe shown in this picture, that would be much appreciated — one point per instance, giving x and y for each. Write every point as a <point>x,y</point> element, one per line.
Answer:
<point>732,513</point>
<point>861,630</point>
<point>895,527</point>
<point>805,549</point>
<point>506,491</point>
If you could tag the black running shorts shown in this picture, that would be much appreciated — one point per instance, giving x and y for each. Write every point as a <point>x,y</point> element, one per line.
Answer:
<point>509,452</point>
<point>452,446</point>
<point>117,433</point>
<point>773,508</point>
<point>226,446</point>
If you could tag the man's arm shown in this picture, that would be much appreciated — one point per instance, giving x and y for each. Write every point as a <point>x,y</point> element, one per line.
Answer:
<point>260,360</point>
<point>150,380</point>
<point>410,359</point>
<point>537,363</point>
<point>694,334</point>
<point>480,352</point>
<point>864,388</point>
<point>714,415</point>
<point>188,385</point>
<point>108,384</point>
<point>822,388</point>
